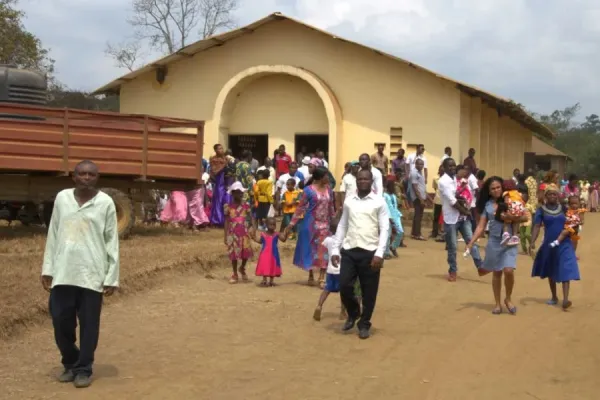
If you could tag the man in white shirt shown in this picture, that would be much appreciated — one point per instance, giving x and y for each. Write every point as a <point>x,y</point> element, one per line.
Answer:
<point>412,159</point>
<point>81,265</point>
<point>364,162</point>
<point>447,154</point>
<point>455,219</point>
<point>304,168</point>
<point>348,186</point>
<point>474,188</point>
<point>362,235</point>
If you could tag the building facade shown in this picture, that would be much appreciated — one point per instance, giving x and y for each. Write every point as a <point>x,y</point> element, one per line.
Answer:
<point>279,81</point>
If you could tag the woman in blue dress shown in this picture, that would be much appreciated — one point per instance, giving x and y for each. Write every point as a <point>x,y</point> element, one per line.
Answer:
<point>500,260</point>
<point>558,264</point>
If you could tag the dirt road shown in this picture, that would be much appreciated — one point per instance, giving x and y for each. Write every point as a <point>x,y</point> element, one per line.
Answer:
<point>197,338</point>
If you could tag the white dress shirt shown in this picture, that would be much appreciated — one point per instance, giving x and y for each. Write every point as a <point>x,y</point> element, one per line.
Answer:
<point>304,170</point>
<point>365,224</point>
<point>447,186</point>
<point>412,160</point>
<point>377,182</point>
<point>473,187</point>
<point>348,185</point>
<point>282,181</point>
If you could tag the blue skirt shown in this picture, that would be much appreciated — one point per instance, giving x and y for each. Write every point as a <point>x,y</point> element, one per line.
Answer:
<point>557,263</point>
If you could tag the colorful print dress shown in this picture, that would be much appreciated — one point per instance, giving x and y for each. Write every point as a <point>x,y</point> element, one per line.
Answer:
<point>318,210</point>
<point>238,242</point>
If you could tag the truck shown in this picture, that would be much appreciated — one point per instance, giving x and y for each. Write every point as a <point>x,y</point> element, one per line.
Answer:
<point>40,146</point>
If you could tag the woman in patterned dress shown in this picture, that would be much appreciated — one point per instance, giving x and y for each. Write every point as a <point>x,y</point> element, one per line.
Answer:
<point>317,207</point>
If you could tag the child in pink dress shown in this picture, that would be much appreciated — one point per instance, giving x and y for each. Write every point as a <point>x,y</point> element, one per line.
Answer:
<point>269,263</point>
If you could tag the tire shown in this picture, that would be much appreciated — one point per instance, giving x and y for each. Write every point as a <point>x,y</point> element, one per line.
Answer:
<point>125,211</point>
<point>47,209</point>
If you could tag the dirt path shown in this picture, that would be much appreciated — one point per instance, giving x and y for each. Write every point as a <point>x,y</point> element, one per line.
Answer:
<point>202,338</point>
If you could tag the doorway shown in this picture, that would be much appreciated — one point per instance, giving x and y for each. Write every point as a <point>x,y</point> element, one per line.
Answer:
<point>312,142</point>
<point>258,144</point>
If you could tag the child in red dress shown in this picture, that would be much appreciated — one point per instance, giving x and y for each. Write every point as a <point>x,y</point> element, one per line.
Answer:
<point>269,262</point>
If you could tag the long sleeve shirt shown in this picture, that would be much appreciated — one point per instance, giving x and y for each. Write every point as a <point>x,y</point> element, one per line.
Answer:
<point>447,186</point>
<point>82,247</point>
<point>365,224</point>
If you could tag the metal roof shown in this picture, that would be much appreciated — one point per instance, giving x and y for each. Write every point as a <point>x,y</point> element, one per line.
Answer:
<point>504,106</point>
<point>541,148</point>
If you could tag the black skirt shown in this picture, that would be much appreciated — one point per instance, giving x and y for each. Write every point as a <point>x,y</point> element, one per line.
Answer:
<point>263,210</point>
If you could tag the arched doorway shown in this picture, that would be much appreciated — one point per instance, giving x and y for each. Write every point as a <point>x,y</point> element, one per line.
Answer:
<point>227,100</point>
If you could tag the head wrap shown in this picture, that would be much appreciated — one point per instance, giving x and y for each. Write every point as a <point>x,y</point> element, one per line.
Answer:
<point>354,163</point>
<point>551,187</point>
<point>316,162</point>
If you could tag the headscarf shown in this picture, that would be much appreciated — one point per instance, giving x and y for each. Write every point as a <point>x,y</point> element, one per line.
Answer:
<point>316,162</point>
<point>551,187</point>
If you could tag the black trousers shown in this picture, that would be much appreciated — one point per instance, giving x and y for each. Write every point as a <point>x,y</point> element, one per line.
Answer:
<point>67,304</point>
<point>418,217</point>
<point>356,263</point>
<point>437,211</point>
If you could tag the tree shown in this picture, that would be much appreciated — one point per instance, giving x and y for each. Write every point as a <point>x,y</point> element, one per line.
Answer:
<point>169,25</point>
<point>17,45</point>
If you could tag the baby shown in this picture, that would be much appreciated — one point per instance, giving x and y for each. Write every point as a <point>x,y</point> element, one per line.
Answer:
<point>513,205</point>
<point>573,223</point>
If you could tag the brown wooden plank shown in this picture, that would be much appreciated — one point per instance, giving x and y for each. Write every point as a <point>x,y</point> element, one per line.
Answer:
<point>31,149</point>
<point>105,153</point>
<point>29,135</point>
<point>30,163</point>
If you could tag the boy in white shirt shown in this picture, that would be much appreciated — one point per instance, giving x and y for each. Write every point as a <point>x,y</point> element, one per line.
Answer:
<point>332,281</point>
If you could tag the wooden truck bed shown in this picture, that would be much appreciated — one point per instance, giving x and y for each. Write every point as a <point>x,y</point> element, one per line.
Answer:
<point>123,146</point>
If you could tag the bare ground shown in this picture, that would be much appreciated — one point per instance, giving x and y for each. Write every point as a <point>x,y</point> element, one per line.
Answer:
<point>195,337</point>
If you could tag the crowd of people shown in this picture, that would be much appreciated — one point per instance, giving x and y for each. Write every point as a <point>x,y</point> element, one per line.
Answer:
<point>342,238</point>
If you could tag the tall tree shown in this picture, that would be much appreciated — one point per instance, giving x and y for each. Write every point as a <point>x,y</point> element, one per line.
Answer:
<point>17,45</point>
<point>169,25</point>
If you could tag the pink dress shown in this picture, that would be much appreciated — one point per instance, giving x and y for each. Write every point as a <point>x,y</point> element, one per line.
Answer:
<point>269,263</point>
<point>238,242</point>
<point>176,209</point>
<point>196,207</point>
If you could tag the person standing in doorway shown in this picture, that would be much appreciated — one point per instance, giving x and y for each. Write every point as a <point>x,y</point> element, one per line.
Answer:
<point>447,154</point>
<point>455,219</point>
<point>362,235</point>
<point>411,162</point>
<point>515,177</point>
<point>470,161</point>
<point>304,168</point>
<point>364,162</point>
<point>81,265</point>
<point>419,197</point>
<point>379,160</point>
<point>301,154</point>
<point>282,161</point>
<point>321,156</point>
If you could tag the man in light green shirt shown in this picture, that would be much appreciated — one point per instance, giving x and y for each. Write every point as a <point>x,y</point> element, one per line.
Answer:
<point>81,265</point>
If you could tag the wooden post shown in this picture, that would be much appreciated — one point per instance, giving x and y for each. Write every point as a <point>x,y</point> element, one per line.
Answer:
<point>145,150</point>
<point>65,143</point>
<point>199,149</point>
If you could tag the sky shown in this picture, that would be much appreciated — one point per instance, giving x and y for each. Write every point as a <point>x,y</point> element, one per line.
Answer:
<point>541,53</point>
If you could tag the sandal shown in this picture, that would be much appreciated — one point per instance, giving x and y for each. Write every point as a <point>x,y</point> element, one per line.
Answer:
<point>244,277</point>
<point>322,284</point>
<point>566,304</point>
<point>234,279</point>
<point>497,311</point>
<point>317,314</point>
<point>420,238</point>
<point>512,310</point>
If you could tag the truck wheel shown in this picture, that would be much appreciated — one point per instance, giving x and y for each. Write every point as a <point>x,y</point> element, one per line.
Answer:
<point>47,208</point>
<point>125,212</point>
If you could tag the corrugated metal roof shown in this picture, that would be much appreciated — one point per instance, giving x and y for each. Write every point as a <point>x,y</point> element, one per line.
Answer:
<point>503,105</point>
<point>541,148</point>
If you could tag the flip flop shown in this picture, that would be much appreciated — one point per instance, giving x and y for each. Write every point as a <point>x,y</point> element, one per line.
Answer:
<point>566,304</point>
<point>497,311</point>
<point>512,310</point>
<point>552,302</point>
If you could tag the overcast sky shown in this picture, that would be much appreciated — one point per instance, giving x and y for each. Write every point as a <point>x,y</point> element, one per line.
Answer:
<point>542,53</point>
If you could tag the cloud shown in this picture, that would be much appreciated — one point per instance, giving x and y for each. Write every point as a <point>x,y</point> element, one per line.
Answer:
<point>542,53</point>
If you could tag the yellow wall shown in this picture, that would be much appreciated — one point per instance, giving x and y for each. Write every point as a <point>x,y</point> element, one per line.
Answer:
<point>281,106</point>
<point>500,142</point>
<point>374,92</point>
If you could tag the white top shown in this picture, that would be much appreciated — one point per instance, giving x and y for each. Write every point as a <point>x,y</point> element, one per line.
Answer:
<point>348,185</point>
<point>448,187</point>
<point>412,159</point>
<point>304,170</point>
<point>365,223</point>
<point>443,158</point>
<point>377,182</point>
<point>325,163</point>
<point>473,186</point>
<point>329,243</point>
<point>282,181</point>
<point>82,247</point>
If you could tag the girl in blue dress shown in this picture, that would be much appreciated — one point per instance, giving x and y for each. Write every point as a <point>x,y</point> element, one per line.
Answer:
<point>558,264</point>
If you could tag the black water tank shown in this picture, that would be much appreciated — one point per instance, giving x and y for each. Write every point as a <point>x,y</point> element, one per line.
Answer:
<point>22,86</point>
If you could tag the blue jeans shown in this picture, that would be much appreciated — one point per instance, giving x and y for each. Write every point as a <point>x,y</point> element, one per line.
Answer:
<point>451,232</point>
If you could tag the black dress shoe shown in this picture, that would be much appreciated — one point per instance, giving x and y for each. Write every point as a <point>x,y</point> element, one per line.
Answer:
<point>349,324</point>
<point>364,333</point>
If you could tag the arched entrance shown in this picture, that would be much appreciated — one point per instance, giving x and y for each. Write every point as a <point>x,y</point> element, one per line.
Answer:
<point>226,102</point>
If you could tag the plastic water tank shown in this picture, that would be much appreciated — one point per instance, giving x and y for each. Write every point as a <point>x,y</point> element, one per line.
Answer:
<point>22,86</point>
